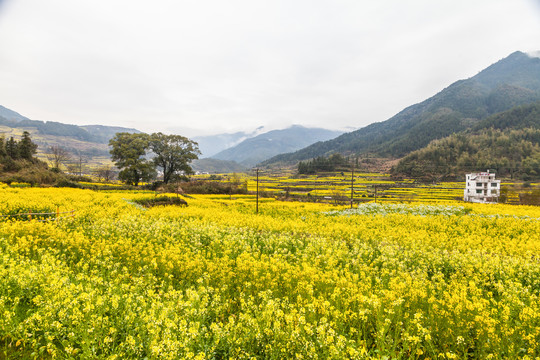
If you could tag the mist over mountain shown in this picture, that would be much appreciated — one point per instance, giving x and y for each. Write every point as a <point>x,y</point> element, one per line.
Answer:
<point>509,83</point>
<point>261,147</point>
<point>512,81</point>
<point>212,144</point>
<point>215,166</point>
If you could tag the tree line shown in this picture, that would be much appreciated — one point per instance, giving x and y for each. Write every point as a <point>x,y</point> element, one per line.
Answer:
<point>335,162</point>
<point>139,157</point>
<point>513,153</point>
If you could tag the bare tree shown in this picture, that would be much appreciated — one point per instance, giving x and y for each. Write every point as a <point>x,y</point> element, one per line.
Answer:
<point>105,173</point>
<point>57,155</point>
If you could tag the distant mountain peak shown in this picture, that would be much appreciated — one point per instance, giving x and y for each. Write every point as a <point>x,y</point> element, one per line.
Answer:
<point>510,82</point>
<point>263,146</point>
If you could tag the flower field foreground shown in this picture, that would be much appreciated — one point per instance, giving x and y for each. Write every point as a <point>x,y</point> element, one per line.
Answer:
<point>299,280</point>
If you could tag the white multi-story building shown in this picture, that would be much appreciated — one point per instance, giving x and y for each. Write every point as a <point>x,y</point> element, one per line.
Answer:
<point>482,187</point>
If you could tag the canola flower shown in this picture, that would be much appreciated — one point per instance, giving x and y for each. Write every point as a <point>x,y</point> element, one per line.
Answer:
<point>364,187</point>
<point>213,280</point>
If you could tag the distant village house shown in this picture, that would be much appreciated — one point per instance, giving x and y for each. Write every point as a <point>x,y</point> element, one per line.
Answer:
<point>482,188</point>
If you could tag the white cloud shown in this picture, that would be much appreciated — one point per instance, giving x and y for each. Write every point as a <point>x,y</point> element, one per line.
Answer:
<point>207,66</point>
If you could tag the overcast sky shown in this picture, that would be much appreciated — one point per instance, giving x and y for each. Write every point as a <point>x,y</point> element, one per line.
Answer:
<point>210,66</point>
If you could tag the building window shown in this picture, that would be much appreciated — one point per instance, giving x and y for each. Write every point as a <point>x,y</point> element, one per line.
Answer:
<point>479,191</point>
<point>493,184</point>
<point>478,184</point>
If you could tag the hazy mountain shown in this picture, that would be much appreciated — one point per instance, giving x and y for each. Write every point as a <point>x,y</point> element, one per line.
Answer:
<point>512,81</point>
<point>215,166</point>
<point>8,114</point>
<point>261,147</point>
<point>212,144</point>
<point>508,142</point>
<point>103,134</point>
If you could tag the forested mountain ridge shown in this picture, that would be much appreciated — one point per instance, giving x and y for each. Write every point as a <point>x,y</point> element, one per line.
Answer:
<point>90,141</point>
<point>93,133</point>
<point>512,81</point>
<point>508,143</point>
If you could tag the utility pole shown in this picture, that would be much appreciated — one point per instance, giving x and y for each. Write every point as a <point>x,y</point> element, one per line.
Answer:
<point>257,202</point>
<point>80,163</point>
<point>352,185</point>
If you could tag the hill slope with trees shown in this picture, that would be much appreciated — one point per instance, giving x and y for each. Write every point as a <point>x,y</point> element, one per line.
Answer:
<point>92,133</point>
<point>512,81</point>
<point>18,163</point>
<point>88,142</point>
<point>508,142</point>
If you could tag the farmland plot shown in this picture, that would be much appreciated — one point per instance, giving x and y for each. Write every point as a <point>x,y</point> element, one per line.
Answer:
<point>213,280</point>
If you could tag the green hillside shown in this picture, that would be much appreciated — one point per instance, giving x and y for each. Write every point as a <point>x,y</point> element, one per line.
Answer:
<point>512,81</point>
<point>508,142</point>
<point>89,142</point>
<point>91,133</point>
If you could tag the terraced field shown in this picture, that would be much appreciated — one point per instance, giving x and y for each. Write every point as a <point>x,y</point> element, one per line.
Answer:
<point>367,187</point>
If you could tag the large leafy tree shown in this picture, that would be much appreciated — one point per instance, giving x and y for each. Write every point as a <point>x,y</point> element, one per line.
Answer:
<point>173,154</point>
<point>128,151</point>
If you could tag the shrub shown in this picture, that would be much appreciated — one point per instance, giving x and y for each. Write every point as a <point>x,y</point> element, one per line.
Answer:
<point>161,200</point>
<point>67,183</point>
<point>212,187</point>
<point>34,175</point>
<point>80,178</point>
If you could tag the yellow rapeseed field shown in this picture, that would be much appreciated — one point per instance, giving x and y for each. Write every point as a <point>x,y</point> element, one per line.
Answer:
<point>214,280</point>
